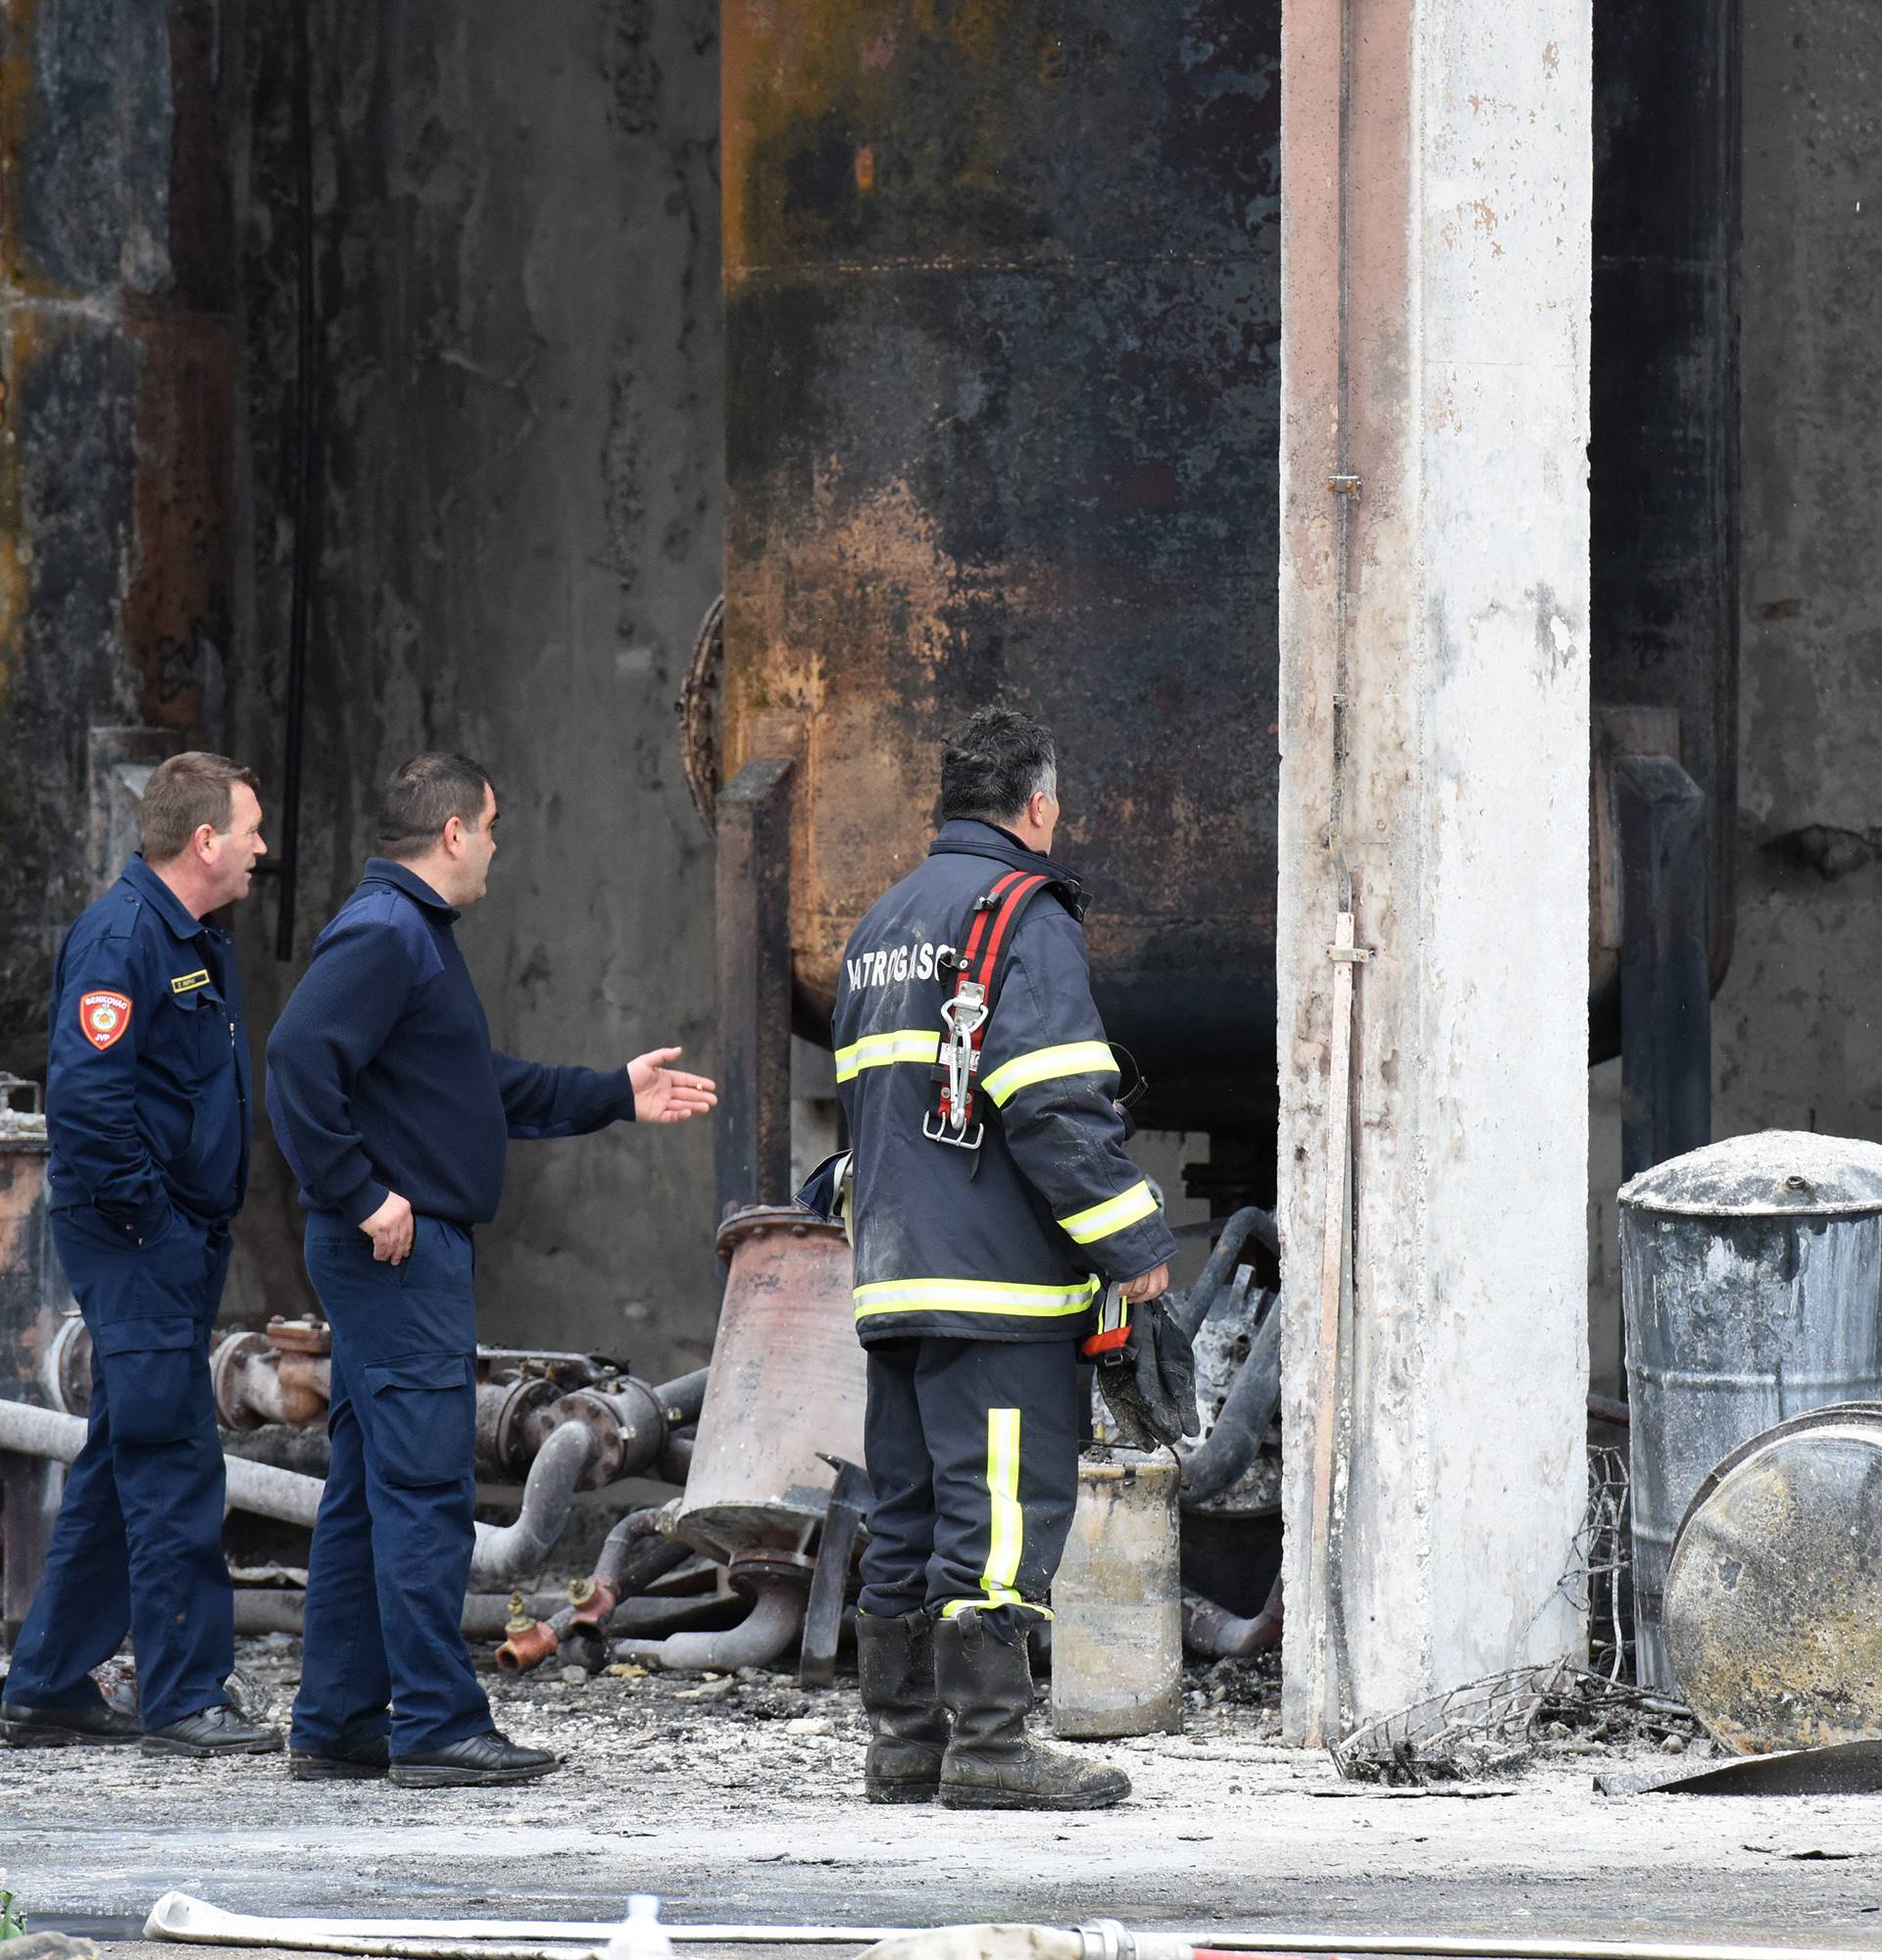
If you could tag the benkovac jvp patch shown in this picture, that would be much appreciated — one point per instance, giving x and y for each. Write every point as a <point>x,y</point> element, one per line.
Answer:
<point>103,1017</point>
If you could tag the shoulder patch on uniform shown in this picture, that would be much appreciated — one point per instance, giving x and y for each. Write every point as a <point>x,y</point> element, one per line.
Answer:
<point>102,1016</point>
<point>185,982</point>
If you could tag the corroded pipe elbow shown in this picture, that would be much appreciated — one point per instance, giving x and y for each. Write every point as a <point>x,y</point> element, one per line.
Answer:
<point>777,1612</point>
<point>548,1497</point>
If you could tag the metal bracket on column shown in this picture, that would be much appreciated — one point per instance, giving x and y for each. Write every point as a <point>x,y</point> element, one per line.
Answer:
<point>1665,990</point>
<point>752,933</point>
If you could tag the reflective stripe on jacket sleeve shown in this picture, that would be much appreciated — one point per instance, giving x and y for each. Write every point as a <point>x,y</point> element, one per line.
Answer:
<point>1047,1065</point>
<point>917,1045</point>
<point>1115,1214</point>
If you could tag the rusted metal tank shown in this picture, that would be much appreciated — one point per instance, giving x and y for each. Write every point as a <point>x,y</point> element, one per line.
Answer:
<point>785,1390</point>
<point>1003,390</point>
<point>117,537</point>
<point>1001,326</point>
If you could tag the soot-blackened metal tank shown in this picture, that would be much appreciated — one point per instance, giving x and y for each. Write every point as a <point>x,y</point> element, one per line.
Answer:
<point>1003,313</point>
<point>1003,322</point>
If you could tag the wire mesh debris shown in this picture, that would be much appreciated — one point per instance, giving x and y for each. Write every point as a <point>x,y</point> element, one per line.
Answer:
<point>1471,1733</point>
<point>1599,1574</point>
<point>1491,1727</point>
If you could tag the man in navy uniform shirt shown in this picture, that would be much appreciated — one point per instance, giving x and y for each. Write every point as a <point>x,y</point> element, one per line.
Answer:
<point>147,1109</point>
<point>394,1112</point>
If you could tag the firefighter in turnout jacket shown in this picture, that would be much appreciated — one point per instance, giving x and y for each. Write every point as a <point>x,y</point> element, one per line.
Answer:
<point>990,1205</point>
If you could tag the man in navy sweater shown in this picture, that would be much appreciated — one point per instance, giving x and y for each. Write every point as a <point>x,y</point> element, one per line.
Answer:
<point>393,1111</point>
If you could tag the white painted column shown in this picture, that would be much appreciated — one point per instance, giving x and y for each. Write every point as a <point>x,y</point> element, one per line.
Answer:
<point>1435,267</point>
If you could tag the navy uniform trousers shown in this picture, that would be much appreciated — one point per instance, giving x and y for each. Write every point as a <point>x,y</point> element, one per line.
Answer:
<point>392,1543</point>
<point>138,1544</point>
<point>972,1450</point>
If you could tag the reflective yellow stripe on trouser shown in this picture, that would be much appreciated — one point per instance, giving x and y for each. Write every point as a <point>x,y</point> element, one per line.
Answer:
<point>1006,1522</point>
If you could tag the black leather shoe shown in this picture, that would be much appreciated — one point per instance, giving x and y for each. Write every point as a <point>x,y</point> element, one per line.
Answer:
<point>212,1732</point>
<point>347,1761</point>
<point>488,1758</point>
<point>23,1727</point>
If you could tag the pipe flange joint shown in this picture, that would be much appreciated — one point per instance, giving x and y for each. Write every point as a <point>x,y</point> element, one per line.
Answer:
<point>234,1355</point>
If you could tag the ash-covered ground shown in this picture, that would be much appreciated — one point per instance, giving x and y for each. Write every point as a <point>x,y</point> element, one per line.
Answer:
<point>738,1799</point>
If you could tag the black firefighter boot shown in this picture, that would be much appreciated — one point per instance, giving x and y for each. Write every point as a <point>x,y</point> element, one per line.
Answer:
<point>895,1671</point>
<point>986,1683</point>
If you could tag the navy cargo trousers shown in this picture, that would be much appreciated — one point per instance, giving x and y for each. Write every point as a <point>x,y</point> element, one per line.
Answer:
<point>396,1529</point>
<point>972,1450</point>
<point>138,1544</point>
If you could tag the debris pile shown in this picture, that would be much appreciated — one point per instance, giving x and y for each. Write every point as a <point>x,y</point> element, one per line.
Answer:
<point>1489,1729</point>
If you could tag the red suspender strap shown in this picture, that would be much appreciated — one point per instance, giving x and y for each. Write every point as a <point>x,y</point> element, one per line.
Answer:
<point>982,912</point>
<point>993,919</point>
<point>1016,900</point>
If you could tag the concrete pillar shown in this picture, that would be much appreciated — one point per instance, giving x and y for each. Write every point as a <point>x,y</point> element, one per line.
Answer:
<point>1434,731</point>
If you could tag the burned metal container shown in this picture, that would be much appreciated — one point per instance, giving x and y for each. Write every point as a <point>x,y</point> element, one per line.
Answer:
<point>1117,1602</point>
<point>1001,321</point>
<point>1003,315</point>
<point>1751,1280</point>
<point>1772,1614</point>
<point>785,1390</point>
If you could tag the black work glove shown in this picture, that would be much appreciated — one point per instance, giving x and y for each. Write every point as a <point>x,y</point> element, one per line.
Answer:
<point>1148,1378</point>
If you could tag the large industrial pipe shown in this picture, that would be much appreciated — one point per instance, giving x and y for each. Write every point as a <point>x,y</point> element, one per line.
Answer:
<point>630,1427</point>
<point>508,1552</point>
<point>251,1487</point>
<point>503,1552</point>
<point>271,1611</point>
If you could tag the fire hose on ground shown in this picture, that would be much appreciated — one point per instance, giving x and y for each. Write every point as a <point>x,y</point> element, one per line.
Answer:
<point>178,1916</point>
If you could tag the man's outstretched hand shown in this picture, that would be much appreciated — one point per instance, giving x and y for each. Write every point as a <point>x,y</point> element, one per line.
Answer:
<point>664,1095</point>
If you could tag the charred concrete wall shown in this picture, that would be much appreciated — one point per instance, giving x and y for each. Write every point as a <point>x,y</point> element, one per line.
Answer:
<point>116,405</point>
<point>1797,1022</point>
<point>515,213</point>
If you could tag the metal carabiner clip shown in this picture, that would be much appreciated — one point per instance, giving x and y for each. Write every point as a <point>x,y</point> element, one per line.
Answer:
<point>962,1013</point>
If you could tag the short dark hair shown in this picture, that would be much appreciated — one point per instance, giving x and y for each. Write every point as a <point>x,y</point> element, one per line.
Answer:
<point>997,758</point>
<point>183,794</point>
<point>422,796</point>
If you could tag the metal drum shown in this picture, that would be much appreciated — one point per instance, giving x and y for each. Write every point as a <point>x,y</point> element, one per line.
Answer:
<point>1773,1607</point>
<point>1750,1276</point>
<point>786,1383</point>
<point>1117,1602</point>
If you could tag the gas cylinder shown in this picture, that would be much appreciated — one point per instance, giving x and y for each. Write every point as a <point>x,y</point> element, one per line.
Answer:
<point>1117,1629</point>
